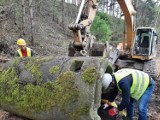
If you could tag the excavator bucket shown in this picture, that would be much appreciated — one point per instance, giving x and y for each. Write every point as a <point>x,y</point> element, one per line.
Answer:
<point>53,88</point>
<point>97,49</point>
<point>93,48</point>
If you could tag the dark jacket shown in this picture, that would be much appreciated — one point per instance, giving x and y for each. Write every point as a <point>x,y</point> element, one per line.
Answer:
<point>125,85</point>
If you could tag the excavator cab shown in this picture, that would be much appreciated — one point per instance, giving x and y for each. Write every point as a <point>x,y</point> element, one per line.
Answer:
<point>145,43</point>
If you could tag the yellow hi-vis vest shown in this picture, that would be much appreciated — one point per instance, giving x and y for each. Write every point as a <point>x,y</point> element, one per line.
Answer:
<point>28,52</point>
<point>139,84</point>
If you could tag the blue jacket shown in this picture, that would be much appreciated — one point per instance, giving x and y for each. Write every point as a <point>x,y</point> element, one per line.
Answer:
<point>125,85</point>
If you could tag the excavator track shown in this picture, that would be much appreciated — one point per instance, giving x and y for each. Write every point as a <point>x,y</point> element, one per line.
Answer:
<point>151,68</point>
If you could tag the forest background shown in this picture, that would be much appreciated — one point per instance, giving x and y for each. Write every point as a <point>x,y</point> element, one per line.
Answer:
<point>44,23</point>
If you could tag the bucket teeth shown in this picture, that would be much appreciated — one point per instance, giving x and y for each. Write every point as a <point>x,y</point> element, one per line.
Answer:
<point>75,26</point>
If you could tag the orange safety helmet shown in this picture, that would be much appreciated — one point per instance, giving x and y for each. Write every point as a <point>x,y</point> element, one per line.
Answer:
<point>21,41</point>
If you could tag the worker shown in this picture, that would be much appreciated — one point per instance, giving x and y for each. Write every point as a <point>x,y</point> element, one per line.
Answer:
<point>134,85</point>
<point>23,51</point>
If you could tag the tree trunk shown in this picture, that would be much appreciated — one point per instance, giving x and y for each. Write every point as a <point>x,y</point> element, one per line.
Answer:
<point>31,21</point>
<point>23,19</point>
<point>3,25</point>
<point>54,9</point>
<point>62,8</point>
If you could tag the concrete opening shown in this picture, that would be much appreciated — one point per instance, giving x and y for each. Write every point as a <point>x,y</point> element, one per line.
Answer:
<point>109,69</point>
<point>76,66</point>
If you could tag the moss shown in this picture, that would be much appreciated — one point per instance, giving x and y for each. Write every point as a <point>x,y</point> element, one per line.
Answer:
<point>82,110</point>
<point>8,85</point>
<point>35,98</point>
<point>90,75</point>
<point>31,98</point>
<point>65,91</point>
<point>54,69</point>
<point>34,65</point>
<point>109,69</point>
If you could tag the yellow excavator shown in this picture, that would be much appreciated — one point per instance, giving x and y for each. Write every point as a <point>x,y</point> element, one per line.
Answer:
<point>137,49</point>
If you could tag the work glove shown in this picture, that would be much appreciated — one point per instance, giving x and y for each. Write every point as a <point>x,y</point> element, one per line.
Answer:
<point>123,113</point>
<point>109,103</point>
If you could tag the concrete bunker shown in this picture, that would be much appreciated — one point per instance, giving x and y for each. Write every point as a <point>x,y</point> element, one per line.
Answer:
<point>53,87</point>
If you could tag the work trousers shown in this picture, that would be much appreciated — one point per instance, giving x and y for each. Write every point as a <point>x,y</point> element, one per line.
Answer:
<point>142,104</point>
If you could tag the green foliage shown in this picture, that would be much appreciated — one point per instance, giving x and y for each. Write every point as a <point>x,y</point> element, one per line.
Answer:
<point>100,29</point>
<point>116,25</point>
<point>5,2</point>
<point>106,27</point>
<point>105,17</point>
<point>2,2</point>
<point>146,11</point>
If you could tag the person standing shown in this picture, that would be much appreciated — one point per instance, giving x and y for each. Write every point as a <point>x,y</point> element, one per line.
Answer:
<point>23,51</point>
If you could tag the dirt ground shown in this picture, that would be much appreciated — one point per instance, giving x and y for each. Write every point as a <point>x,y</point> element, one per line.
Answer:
<point>8,116</point>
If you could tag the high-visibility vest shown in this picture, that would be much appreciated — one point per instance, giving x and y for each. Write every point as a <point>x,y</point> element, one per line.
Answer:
<point>28,52</point>
<point>139,84</point>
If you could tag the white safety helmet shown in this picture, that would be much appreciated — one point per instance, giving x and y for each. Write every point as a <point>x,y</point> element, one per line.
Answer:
<point>107,79</point>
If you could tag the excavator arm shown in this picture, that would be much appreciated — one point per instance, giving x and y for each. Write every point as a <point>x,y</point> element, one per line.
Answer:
<point>129,12</point>
<point>83,40</point>
<point>85,17</point>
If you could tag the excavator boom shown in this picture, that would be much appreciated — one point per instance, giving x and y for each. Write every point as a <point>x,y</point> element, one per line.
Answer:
<point>129,12</point>
<point>85,17</point>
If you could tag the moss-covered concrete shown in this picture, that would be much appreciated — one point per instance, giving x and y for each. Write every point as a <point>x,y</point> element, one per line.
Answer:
<point>90,75</point>
<point>34,98</point>
<point>81,111</point>
<point>54,69</point>
<point>33,65</point>
<point>59,92</point>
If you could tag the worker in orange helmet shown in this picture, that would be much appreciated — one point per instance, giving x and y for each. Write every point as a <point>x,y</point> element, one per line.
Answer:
<point>23,51</point>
